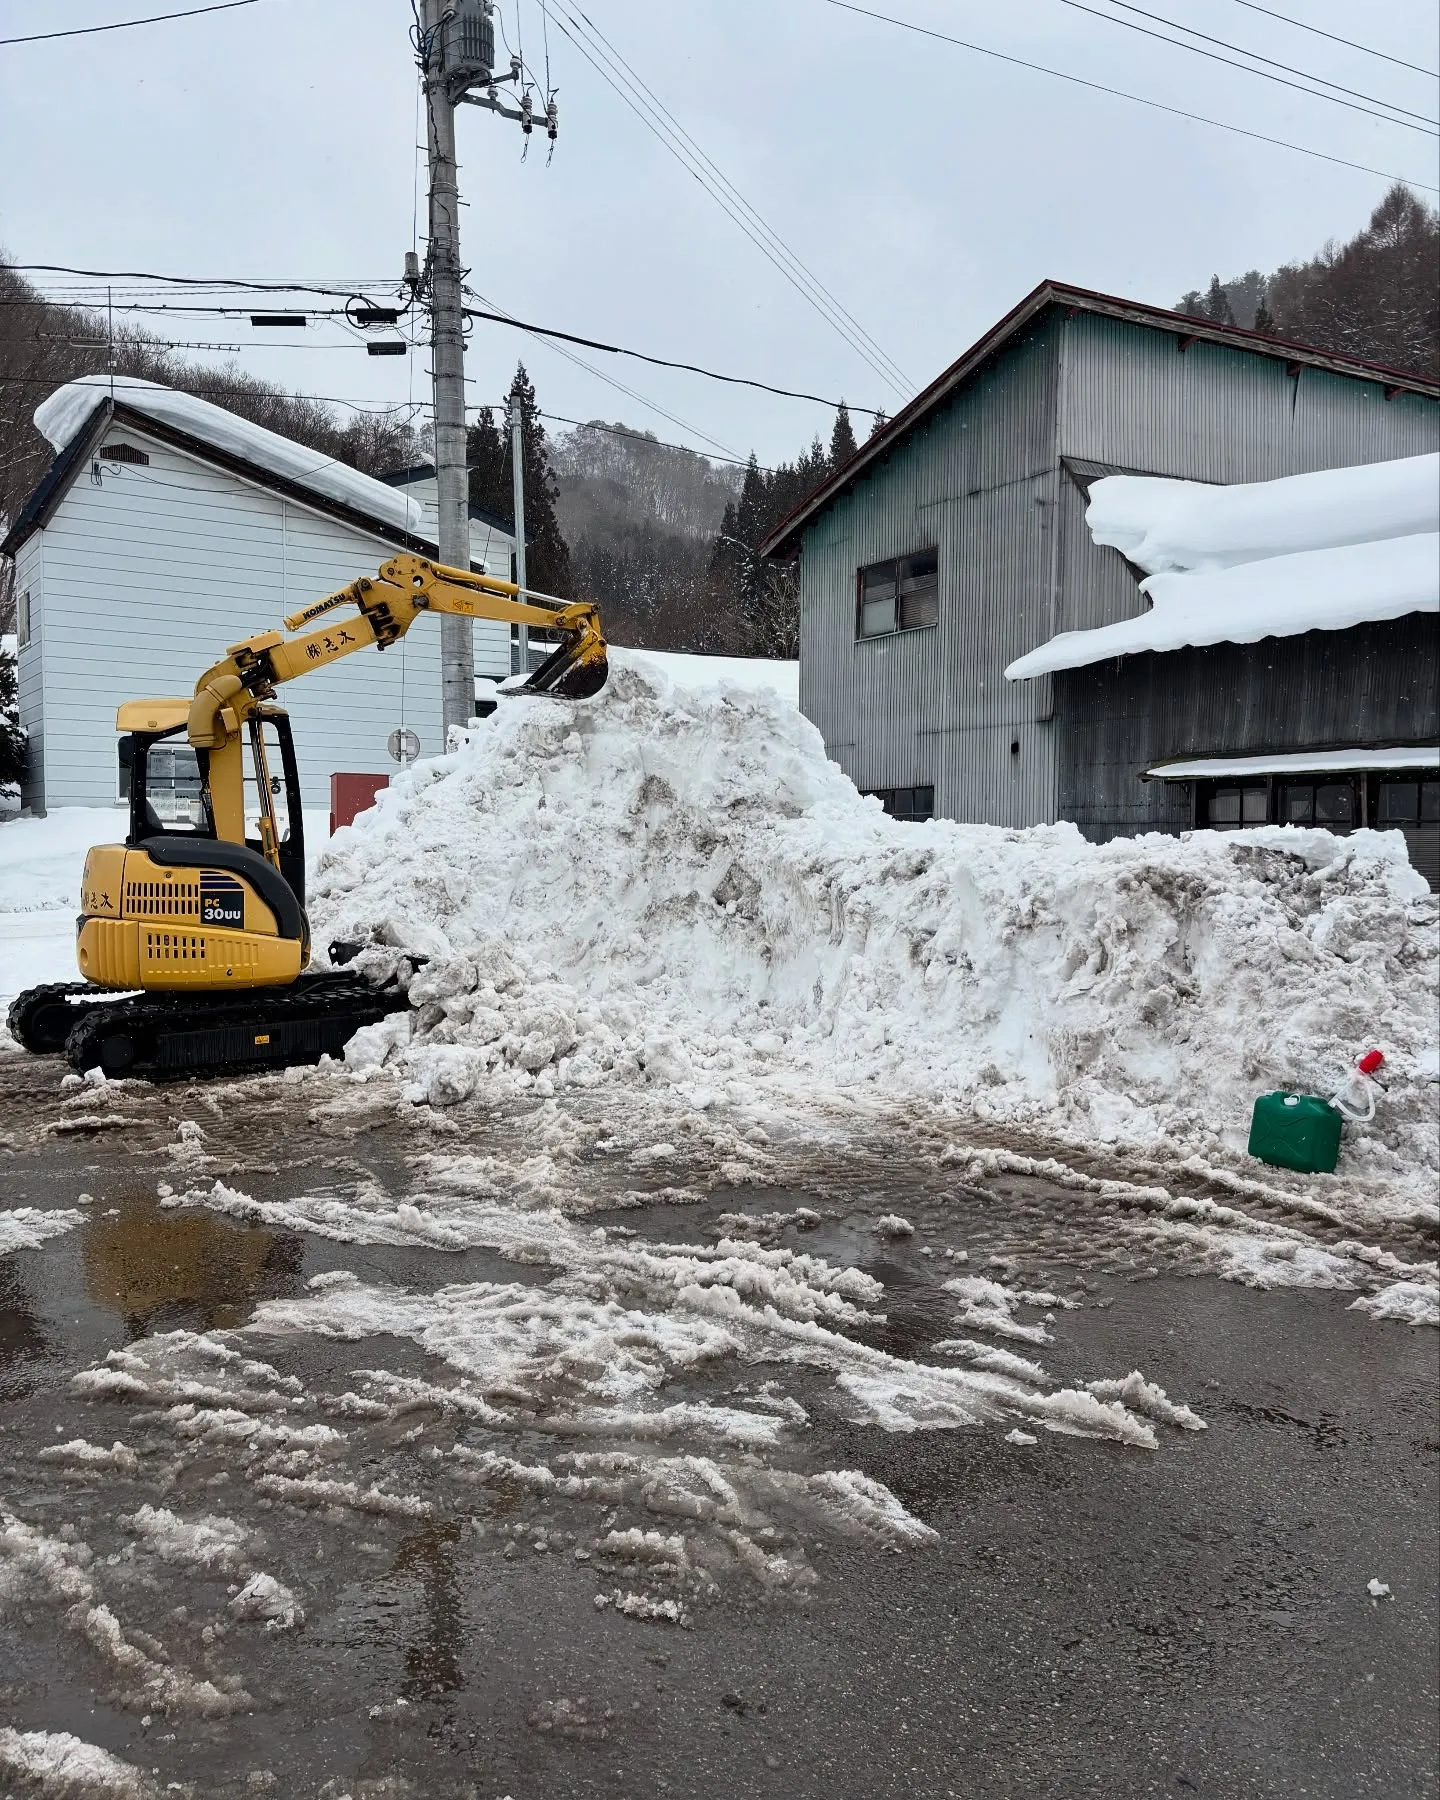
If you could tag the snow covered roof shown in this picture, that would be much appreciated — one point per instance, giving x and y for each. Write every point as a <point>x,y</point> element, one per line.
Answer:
<point>67,412</point>
<point>1304,762</point>
<point>1318,552</point>
<point>784,540</point>
<point>1169,525</point>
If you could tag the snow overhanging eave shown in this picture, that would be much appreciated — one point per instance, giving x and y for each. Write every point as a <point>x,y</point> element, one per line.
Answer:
<point>1279,596</point>
<point>1298,762</point>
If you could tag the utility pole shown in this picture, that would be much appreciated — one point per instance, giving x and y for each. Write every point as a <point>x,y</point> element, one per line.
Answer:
<point>447,353</point>
<point>455,47</point>
<point>517,471</point>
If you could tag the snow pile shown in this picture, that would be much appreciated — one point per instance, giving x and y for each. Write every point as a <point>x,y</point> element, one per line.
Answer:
<point>1317,552</point>
<point>27,1227</point>
<point>263,1597</point>
<point>54,1765</point>
<point>209,1542</point>
<point>673,886</point>
<point>69,409</point>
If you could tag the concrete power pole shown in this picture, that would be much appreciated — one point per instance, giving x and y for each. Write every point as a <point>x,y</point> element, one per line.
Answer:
<point>447,351</point>
<point>455,45</point>
<point>517,468</point>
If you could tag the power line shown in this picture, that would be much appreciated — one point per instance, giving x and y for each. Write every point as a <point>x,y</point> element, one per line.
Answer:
<point>638,437</point>
<point>1099,87</point>
<point>1255,56</point>
<point>905,385</point>
<point>224,393</point>
<point>497,318</point>
<point>217,283</point>
<point>1349,43</point>
<point>1230,63</point>
<point>688,160</point>
<point>610,381</point>
<point>40,37</point>
<point>664,362</point>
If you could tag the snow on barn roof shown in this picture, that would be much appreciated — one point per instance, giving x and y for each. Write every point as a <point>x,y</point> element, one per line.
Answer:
<point>1317,552</point>
<point>1303,762</point>
<point>67,412</point>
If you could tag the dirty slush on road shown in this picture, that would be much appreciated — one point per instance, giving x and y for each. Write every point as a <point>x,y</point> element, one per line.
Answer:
<point>785,1310</point>
<point>359,1447</point>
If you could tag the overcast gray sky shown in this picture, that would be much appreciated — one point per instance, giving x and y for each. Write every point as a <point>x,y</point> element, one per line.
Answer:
<point>927,186</point>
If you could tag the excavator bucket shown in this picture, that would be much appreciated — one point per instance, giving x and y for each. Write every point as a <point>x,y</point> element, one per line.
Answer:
<point>574,670</point>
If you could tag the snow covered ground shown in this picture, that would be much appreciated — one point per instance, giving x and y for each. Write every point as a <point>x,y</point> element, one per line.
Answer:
<point>41,861</point>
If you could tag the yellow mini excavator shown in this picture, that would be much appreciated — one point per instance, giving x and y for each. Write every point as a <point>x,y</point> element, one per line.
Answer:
<point>200,925</point>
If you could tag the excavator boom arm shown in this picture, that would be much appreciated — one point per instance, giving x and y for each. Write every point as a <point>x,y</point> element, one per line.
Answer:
<point>388,606</point>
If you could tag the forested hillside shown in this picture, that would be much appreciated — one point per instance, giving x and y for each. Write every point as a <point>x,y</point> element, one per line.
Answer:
<point>1376,297</point>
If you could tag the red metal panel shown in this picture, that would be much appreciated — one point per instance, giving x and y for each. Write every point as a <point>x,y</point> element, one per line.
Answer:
<point>351,794</point>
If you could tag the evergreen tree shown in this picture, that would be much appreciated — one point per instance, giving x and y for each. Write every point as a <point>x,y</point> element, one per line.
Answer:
<point>12,737</point>
<point>879,422</point>
<point>1374,297</point>
<point>842,438</point>
<point>487,456</point>
<point>1217,303</point>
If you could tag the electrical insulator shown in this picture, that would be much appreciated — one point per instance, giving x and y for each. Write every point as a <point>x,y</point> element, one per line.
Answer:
<point>552,120</point>
<point>467,45</point>
<point>527,121</point>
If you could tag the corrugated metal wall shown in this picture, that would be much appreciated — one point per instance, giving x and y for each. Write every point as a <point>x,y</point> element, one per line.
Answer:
<point>1372,685</point>
<point>1211,413</point>
<point>982,480</point>
<point>978,481</point>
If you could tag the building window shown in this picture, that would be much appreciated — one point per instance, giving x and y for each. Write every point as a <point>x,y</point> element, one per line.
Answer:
<point>1328,803</point>
<point>1405,803</point>
<point>22,620</point>
<point>900,595</point>
<point>1233,808</point>
<point>907,802</point>
<point>125,453</point>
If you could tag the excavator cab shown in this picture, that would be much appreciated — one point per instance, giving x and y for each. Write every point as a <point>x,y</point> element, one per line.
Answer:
<point>167,784</point>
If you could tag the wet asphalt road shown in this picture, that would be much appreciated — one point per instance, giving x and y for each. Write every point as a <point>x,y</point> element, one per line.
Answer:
<point>1093,1621</point>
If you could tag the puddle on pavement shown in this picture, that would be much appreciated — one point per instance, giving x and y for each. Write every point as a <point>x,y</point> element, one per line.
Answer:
<point>162,1270</point>
<point>23,1339</point>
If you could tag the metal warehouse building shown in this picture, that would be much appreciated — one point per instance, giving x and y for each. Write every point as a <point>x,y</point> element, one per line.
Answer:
<point>954,542</point>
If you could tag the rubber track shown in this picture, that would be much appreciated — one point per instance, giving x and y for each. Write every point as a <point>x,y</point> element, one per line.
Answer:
<point>33,998</point>
<point>345,1004</point>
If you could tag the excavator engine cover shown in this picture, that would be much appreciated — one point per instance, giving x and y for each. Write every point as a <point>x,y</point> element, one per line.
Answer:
<point>165,925</point>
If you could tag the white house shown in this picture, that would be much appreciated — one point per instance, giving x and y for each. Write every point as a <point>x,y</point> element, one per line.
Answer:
<point>168,528</point>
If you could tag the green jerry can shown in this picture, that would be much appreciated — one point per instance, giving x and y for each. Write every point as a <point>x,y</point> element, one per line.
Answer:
<point>1296,1131</point>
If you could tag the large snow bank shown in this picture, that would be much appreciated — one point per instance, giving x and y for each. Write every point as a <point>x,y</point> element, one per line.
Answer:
<point>69,408</point>
<point>672,885</point>
<point>1319,552</point>
<point>1162,525</point>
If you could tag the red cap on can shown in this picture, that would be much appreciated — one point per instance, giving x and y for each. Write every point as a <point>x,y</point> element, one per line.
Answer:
<point>1371,1061</point>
